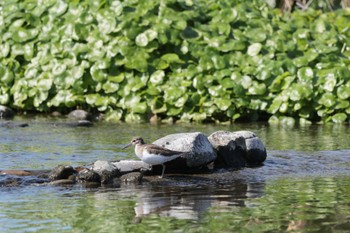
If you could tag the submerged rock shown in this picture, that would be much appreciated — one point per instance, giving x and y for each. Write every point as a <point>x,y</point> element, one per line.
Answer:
<point>6,113</point>
<point>9,124</point>
<point>199,151</point>
<point>62,172</point>
<point>15,180</point>
<point>237,149</point>
<point>80,123</point>
<point>132,178</point>
<point>62,182</point>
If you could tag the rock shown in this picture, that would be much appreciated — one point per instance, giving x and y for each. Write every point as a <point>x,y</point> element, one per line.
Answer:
<point>62,182</point>
<point>88,176</point>
<point>256,151</point>
<point>106,170</point>
<point>10,181</point>
<point>62,172</point>
<point>7,180</point>
<point>81,123</point>
<point>79,114</point>
<point>125,166</point>
<point>199,151</point>
<point>6,113</point>
<point>237,149</point>
<point>132,177</point>
<point>9,124</point>
<point>15,172</point>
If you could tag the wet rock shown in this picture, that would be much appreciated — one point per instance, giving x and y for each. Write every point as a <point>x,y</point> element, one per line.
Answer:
<point>79,114</point>
<point>256,151</point>
<point>88,176</point>
<point>6,113</point>
<point>15,180</point>
<point>237,149</point>
<point>81,123</point>
<point>10,181</point>
<point>15,172</point>
<point>199,151</point>
<point>132,178</point>
<point>62,182</point>
<point>9,124</point>
<point>106,170</point>
<point>125,166</point>
<point>62,172</point>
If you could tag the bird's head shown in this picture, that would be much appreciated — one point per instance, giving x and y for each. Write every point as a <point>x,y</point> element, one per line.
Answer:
<point>135,141</point>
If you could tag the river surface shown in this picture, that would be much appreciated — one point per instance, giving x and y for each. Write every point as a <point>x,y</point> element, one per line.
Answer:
<point>303,186</point>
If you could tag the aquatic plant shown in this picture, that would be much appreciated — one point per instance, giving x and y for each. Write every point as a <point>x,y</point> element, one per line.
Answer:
<point>183,60</point>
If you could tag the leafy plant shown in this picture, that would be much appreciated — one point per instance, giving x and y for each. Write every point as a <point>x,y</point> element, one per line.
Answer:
<point>204,61</point>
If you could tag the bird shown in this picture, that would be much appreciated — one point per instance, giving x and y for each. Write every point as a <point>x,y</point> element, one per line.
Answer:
<point>153,154</point>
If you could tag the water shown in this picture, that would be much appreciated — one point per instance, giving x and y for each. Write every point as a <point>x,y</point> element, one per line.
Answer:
<point>303,186</point>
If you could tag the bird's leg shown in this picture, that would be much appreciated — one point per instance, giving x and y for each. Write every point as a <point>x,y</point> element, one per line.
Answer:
<point>163,170</point>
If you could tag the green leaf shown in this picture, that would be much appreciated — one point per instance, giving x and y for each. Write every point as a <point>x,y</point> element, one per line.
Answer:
<point>339,118</point>
<point>254,49</point>
<point>171,57</point>
<point>257,88</point>
<point>116,79</point>
<point>256,34</point>
<point>157,77</point>
<point>330,83</point>
<point>114,116</point>
<point>223,104</point>
<point>305,74</point>
<point>22,35</point>
<point>343,92</point>
<point>327,99</point>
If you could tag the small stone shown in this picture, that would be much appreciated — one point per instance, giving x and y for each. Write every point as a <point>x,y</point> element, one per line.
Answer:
<point>132,177</point>
<point>80,123</point>
<point>106,170</point>
<point>6,113</point>
<point>79,114</point>
<point>88,176</point>
<point>62,172</point>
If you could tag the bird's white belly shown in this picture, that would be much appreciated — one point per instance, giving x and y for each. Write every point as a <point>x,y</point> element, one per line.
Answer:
<point>155,159</point>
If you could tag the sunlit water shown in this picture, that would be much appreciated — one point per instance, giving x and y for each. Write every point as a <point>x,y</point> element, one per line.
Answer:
<point>303,186</point>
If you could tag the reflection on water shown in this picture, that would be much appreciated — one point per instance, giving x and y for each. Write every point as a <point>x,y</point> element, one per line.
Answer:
<point>303,186</point>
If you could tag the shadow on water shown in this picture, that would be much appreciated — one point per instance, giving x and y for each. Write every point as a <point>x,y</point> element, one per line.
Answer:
<point>303,186</point>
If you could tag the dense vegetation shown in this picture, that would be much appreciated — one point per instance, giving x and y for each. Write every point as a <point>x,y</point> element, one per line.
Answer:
<point>205,61</point>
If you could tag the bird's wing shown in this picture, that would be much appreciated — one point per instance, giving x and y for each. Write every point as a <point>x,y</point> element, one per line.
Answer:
<point>154,149</point>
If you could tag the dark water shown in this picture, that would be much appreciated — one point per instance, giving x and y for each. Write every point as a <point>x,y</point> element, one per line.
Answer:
<point>304,185</point>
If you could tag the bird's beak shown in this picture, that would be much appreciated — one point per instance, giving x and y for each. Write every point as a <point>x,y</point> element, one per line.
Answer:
<point>127,146</point>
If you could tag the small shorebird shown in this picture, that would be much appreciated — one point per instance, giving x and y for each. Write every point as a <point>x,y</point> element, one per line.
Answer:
<point>153,154</point>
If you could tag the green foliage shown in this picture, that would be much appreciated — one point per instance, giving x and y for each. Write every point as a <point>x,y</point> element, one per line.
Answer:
<point>209,60</point>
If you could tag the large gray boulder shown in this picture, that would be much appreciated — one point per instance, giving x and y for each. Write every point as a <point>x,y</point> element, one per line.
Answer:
<point>237,149</point>
<point>199,151</point>
<point>6,113</point>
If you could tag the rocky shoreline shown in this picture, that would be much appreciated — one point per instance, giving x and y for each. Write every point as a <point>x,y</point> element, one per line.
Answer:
<point>222,149</point>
